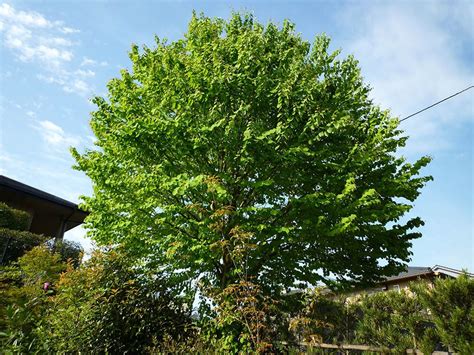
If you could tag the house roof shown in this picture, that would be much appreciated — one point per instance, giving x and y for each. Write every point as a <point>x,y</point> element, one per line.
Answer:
<point>439,269</point>
<point>48,211</point>
<point>411,271</point>
<point>20,187</point>
<point>423,271</point>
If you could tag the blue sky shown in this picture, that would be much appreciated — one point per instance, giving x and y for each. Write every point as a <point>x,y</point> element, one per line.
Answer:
<point>56,55</point>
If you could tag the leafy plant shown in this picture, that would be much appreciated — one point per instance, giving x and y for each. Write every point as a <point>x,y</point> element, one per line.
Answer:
<point>108,306</point>
<point>69,250</point>
<point>12,218</point>
<point>244,319</point>
<point>24,298</point>
<point>325,317</point>
<point>15,239</point>
<point>451,308</point>
<point>395,320</point>
<point>14,244</point>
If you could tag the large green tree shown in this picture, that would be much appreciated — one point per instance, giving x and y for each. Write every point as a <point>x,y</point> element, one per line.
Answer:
<point>243,150</point>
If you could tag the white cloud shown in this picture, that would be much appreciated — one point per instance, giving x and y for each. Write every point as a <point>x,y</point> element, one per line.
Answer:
<point>30,18</point>
<point>68,30</point>
<point>69,82</point>
<point>4,157</point>
<point>88,61</point>
<point>29,35</point>
<point>56,41</point>
<point>77,86</point>
<point>411,59</point>
<point>91,62</point>
<point>32,38</point>
<point>55,136</point>
<point>85,73</point>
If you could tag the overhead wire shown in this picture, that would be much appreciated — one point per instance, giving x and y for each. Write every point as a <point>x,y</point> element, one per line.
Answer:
<point>436,103</point>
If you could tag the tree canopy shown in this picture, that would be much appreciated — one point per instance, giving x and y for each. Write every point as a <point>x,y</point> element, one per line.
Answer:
<point>242,150</point>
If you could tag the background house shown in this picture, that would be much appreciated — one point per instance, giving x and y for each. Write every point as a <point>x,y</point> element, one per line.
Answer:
<point>50,215</point>
<point>414,273</point>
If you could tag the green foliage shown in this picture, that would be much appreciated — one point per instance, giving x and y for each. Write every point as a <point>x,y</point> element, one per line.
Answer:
<point>245,320</point>
<point>422,317</point>
<point>395,320</point>
<point>15,240</point>
<point>241,133</point>
<point>24,303</point>
<point>69,250</point>
<point>11,218</point>
<point>108,306</point>
<point>326,318</point>
<point>451,305</point>
<point>15,243</point>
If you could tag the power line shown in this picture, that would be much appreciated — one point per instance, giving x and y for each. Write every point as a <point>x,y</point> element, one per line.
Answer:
<point>436,103</point>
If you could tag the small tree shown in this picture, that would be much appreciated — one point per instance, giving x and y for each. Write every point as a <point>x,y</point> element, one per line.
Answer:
<point>12,218</point>
<point>245,319</point>
<point>69,250</point>
<point>325,318</point>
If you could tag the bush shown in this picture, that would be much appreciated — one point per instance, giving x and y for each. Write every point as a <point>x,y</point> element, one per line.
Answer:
<point>69,250</point>
<point>325,318</point>
<point>11,218</point>
<point>109,306</point>
<point>14,244</point>
<point>395,320</point>
<point>24,302</point>
<point>451,302</point>
<point>244,319</point>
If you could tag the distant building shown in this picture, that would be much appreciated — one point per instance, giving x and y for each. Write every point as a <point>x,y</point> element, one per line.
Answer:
<point>414,273</point>
<point>50,215</point>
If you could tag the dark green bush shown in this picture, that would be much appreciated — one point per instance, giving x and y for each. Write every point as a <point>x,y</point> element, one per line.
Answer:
<point>451,305</point>
<point>13,219</point>
<point>69,250</point>
<point>393,319</point>
<point>14,244</point>
<point>107,305</point>
<point>24,303</point>
<point>396,320</point>
<point>326,318</point>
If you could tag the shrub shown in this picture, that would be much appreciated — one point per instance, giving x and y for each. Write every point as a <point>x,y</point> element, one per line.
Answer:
<point>24,302</point>
<point>109,306</point>
<point>451,302</point>
<point>11,218</point>
<point>395,320</point>
<point>325,318</point>
<point>69,250</point>
<point>14,244</point>
<point>244,319</point>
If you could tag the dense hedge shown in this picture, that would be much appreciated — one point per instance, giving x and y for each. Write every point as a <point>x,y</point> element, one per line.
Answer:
<point>13,219</point>
<point>451,305</point>
<point>424,317</point>
<point>14,244</point>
